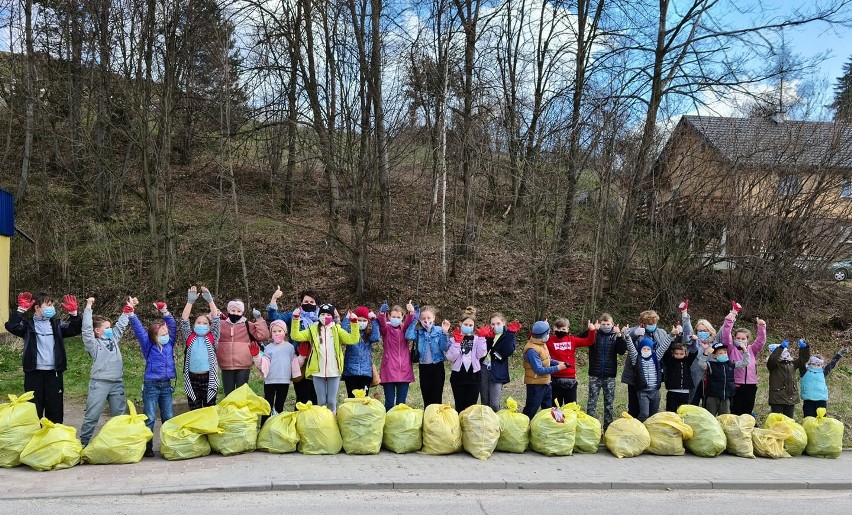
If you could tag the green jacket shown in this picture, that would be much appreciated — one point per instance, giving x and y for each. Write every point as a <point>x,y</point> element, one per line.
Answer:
<point>784,376</point>
<point>312,335</point>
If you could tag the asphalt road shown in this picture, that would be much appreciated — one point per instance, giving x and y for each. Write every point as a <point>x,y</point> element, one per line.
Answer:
<point>657,502</point>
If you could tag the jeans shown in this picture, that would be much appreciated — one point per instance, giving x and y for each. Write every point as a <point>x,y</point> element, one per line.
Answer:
<point>489,391</point>
<point>649,403</point>
<point>395,393</point>
<point>596,384</point>
<point>326,388</point>
<point>99,393</point>
<point>233,379</point>
<point>538,398</point>
<point>157,394</point>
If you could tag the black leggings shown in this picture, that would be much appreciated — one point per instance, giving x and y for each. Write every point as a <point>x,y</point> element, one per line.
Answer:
<point>356,383</point>
<point>465,395</point>
<point>305,391</point>
<point>743,402</point>
<point>809,408</point>
<point>786,409</point>
<point>233,379</point>
<point>563,394</point>
<point>275,395</point>
<point>432,383</point>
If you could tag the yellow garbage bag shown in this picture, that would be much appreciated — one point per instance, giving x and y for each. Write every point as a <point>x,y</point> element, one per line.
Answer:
<point>514,428</point>
<point>441,430</point>
<point>185,436</point>
<point>708,437</point>
<point>121,440</point>
<point>798,440</point>
<point>626,437</point>
<point>317,427</point>
<point>480,431</point>
<point>18,423</point>
<point>738,431</point>
<point>588,435</point>
<point>244,397</point>
<point>667,431</point>
<point>403,430</point>
<point>52,447</point>
<point>362,423</point>
<point>278,435</point>
<point>825,435</point>
<point>769,443</point>
<point>553,432</point>
<point>238,430</point>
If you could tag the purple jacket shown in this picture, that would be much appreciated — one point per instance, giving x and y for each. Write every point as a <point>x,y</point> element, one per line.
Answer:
<point>745,375</point>
<point>454,353</point>
<point>159,361</point>
<point>396,357</point>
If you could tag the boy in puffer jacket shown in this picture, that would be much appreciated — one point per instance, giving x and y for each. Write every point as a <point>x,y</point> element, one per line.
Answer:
<point>814,389</point>
<point>358,358</point>
<point>784,372</point>
<point>106,381</point>
<point>603,365</point>
<point>720,377</point>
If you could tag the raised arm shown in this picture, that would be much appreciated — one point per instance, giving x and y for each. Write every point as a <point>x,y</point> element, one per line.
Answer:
<point>725,332</point>
<point>831,364</point>
<point>760,339</point>
<point>353,336</point>
<point>88,330</point>
<point>191,297</point>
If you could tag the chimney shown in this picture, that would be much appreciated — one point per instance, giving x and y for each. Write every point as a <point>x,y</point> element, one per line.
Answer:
<point>778,117</point>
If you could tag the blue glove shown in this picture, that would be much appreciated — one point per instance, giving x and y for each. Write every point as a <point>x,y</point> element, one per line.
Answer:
<point>802,343</point>
<point>785,344</point>
<point>384,307</point>
<point>191,296</point>
<point>207,296</point>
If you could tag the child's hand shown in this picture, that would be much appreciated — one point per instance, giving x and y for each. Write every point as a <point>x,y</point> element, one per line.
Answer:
<point>69,303</point>
<point>297,313</point>
<point>371,316</point>
<point>683,306</point>
<point>736,307</point>
<point>384,308</point>
<point>457,335</point>
<point>445,325</point>
<point>133,301</point>
<point>591,326</point>
<point>191,295</point>
<point>640,331</point>
<point>206,295</point>
<point>89,302</point>
<point>676,330</point>
<point>161,306</point>
<point>25,301</point>
<point>277,294</point>
<point>843,351</point>
<point>353,318</point>
<point>561,366</point>
<point>254,348</point>
<point>731,316</point>
<point>760,321</point>
<point>410,308</point>
<point>255,313</point>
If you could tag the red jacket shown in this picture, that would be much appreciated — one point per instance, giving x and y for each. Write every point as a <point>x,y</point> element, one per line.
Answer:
<point>562,350</point>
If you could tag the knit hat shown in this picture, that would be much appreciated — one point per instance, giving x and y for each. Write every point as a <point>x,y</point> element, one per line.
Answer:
<point>326,309</point>
<point>236,304</point>
<point>540,329</point>
<point>816,361</point>
<point>646,342</point>
<point>278,323</point>
<point>362,312</point>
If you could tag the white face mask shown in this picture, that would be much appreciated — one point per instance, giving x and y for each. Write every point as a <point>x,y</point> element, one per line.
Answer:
<point>646,353</point>
<point>362,325</point>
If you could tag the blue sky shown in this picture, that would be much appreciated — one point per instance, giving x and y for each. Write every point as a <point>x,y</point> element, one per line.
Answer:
<point>818,39</point>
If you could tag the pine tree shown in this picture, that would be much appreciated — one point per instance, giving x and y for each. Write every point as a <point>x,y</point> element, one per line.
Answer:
<point>842,104</point>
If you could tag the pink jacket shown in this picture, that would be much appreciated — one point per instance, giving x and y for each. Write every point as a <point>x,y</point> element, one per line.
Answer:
<point>478,352</point>
<point>396,357</point>
<point>747,375</point>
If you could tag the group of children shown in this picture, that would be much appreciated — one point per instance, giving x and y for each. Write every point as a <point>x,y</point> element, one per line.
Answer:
<point>313,348</point>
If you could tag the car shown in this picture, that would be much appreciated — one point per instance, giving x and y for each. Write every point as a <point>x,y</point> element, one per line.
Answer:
<point>841,270</point>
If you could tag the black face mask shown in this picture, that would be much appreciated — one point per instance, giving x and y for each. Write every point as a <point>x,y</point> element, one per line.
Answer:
<point>309,307</point>
<point>560,334</point>
<point>234,318</point>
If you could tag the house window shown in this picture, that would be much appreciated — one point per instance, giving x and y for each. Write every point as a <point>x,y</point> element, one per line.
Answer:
<point>789,185</point>
<point>846,189</point>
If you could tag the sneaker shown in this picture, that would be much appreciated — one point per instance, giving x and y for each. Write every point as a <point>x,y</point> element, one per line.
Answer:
<point>149,453</point>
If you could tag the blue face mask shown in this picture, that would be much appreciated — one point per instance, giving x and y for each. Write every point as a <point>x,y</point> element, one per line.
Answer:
<point>395,322</point>
<point>201,329</point>
<point>704,335</point>
<point>650,328</point>
<point>498,329</point>
<point>467,329</point>
<point>722,359</point>
<point>107,333</point>
<point>163,339</point>
<point>49,311</point>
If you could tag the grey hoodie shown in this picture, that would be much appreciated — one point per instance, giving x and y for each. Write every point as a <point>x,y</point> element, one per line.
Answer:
<point>106,355</point>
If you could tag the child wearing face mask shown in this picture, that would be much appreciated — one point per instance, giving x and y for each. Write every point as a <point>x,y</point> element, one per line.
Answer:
<point>464,353</point>
<point>562,347</point>
<point>325,361</point>
<point>500,343</point>
<point>280,353</point>
<point>358,358</point>
<point>106,381</point>
<point>814,389</point>
<point>648,373</point>
<point>157,345</point>
<point>603,364</point>
<point>396,371</point>
<point>200,366</point>
<point>238,344</point>
<point>784,372</point>
<point>720,377</point>
<point>309,304</point>
<point>432,342</point>
<point>679,359</point>
<point>538,366</point>
<point>745,379</point>
<point>648,321</point>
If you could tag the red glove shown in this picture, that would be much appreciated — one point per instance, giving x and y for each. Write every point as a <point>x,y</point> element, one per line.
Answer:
<point>485,332</point>
<point>371,316</point>
<point>25,300</point>
<point>69,303</point>
<point>127,309</point>
<point>161,306</point>
<point>297,313</point>
<point>254,348</point>
<point>458,336</point>
<point>683,305</point>
<point>736,306</point>
<point>514,326</point>
<point>353,318</point>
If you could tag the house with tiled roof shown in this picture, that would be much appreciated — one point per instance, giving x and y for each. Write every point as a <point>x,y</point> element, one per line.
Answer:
<point>740,186</point>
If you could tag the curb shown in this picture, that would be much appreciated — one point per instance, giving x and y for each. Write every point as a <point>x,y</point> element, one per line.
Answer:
<point>277,486</point>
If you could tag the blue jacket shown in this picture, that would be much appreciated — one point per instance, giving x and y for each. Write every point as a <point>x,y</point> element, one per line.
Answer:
<point>813,381</point>
<point>435,340</point>
<point>499,353</point>
<point>24,328</point>
<point>358,358</point>
<point>159,363</point>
